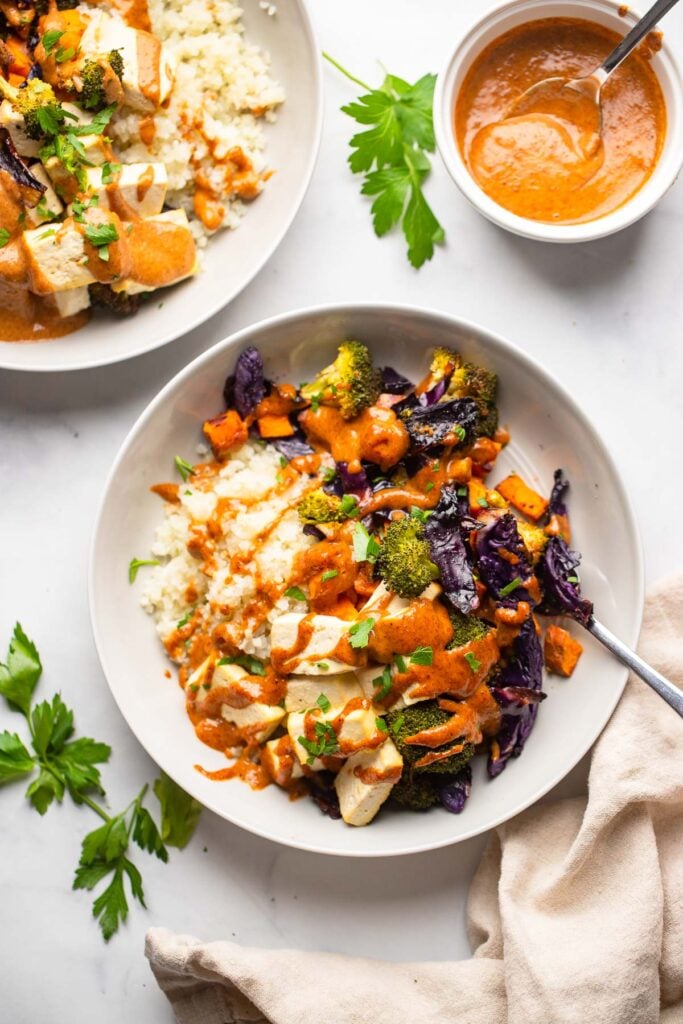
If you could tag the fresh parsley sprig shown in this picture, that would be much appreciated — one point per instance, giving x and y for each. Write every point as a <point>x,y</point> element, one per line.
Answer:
<point>392,156</point>
<point>63,765</point>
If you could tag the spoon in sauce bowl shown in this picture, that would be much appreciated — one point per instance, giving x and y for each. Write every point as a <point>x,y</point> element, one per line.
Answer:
<point>576,101</point>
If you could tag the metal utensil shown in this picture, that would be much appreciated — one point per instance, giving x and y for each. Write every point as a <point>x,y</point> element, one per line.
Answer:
<point>566,95</point>
<point>666,690</point>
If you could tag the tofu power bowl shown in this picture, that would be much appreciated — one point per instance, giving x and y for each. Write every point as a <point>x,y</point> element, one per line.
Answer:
<point>134,137</point>
<point>357,572</point>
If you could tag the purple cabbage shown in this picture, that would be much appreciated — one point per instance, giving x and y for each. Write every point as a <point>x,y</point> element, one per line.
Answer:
<point>454,794</point>
<point>560,583</point>
<point>31,189</point>
<point>312,531</point>
<point>448,550</point>
<point>245,388</point>
<point>557,505</point>
<point>394,383</point>
<point>428,426</point>
<point>353,483</point>
<point>294,446</point>
<point>524,672</point>
<point>434,394</point>
<point>495,570</point>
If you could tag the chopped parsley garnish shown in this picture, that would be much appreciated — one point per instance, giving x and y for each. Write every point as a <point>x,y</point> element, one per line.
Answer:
<point>509,587</point>
<point>419,513</point>
<point>323,666</point>
<point>462,492</point>
<point>315,402</point>
<point>329,474</point>
<point>136,564</point>
<point>47,234</point>
<point>329,575</point>
<point>64,54</point>
<point>472,661</point>
<point>4,237</point>
<point>397,723</point>
<point>383,683</point>
<point>194,687</point>
<point>459,432</point>
<point>295,594</point>
<point>185,619</point>
<point>429,486</point>
<point>400,663</point>
<point>50,40</point>
<point>360,632</point>
<point>283,461</point>
<point>436,466</point>
<point>101,234</point>
<point>349,506</point>
<point>325,742</point>
<point>571,579</point>
<point>365,547</point>
<point>482,503</point>
<point>184,468</point>
<point>108,171</point>
<point>323,703</point>
<point>422,656</point>
<point>381,724</point>
<point>252,665</point>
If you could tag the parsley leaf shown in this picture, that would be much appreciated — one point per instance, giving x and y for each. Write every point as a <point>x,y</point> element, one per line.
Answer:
<point>383,682</point>
<point>184,468</point>
<point>360,632</point>
<point>15,759</point>
<point>19,676</point>
<point>295,594</point>
<point>422,656</point>
<point>252,665</point>
<point>179,812</point>
<point>392,155</point>
<point>50,40</point>
<point>472,661</point>
<point>323,703</point>
<point>136,564</point>
<point>102,234</point>
<point>509,587</point>
<point>330,574</point>
<point>365,547</point>
<point>4,237</point>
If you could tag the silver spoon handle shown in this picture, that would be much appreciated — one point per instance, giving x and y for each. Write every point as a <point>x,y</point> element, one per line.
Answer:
<point>638,32</point>
<point>670,693</point>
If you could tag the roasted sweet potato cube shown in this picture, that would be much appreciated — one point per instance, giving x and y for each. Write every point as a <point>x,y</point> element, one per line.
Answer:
<point>275,426</point>
<point>561,651</point>
<point>522,497</point>
<point>225,432</point>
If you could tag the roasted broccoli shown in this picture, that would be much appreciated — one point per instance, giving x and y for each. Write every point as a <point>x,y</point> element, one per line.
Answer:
<point>414,719</point>
<point>444,363</point>
<point>121,303</point>
<point>417,792</point>
<point>470,381</point>
<point>404,562</point>
<point>35,102</point>
<point>351,383</point>
<point>319,507</point>
<point>465,628</point>
<point>93,94</point>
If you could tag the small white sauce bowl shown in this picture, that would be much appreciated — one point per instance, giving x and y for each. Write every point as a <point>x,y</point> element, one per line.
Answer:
<point>508,15</point>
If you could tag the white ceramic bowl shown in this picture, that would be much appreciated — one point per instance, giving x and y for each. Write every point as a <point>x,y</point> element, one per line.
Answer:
<point>548,430</point>
<point>508,15</point>
<point>233,258</point>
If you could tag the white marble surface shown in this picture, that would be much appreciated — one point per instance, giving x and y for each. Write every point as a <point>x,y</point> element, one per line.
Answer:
<point>604,317</point>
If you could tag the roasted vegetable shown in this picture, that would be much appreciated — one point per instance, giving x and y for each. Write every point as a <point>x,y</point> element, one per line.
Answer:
<point>450,377</point>
<point>447,548</point>
<point>535,539</point>
<point>37,104</point>
<point>561,651</point>
<point>94,92</point>
<point>394,383</point>
<point>502,559</point>
<point>452,423</point>
<point>350,383</point>
<point>319,507</point>
<point>523,672</point>
<point>560,583</point>
<point>522,497</point>
<point>225,432</point>
<point>117,302</point>
<point>417,792</point>
<point>466,628</point>
<point>404,562</point>
<point>415,719</point>
<point>247,385</point>
<point>30,188</point>
<point>454,793</point>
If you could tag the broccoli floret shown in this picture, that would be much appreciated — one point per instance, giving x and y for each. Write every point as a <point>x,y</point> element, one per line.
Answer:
<point>444,363</point>
<point>319,507</point>
<point>417,792</point>
<point>351,383</point>
<point>35,96</point>
<point>465,628</point>
<point>470,381</point>
<point>414,719</point>
<point>404,562</point>
<point>93,94</point>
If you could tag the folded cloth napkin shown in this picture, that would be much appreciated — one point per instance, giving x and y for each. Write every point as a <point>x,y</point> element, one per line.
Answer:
<point>575,914</point>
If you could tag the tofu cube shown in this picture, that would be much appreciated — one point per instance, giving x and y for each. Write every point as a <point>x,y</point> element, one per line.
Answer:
<point>280,761</point>
<point>58,255</point>
<point>50,205</point>
<point>259,720</point>
<point>13,121</point>
<point>365,781</point>
<point>303,691</point>
<point>315,659</point>
<point>73,301</point>
<point>142,187</point>
<point>148,68</point>
<point>131,287</point>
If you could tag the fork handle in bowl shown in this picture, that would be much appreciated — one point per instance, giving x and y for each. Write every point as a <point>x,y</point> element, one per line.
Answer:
<point>666,690</point>
<point>638,32</point>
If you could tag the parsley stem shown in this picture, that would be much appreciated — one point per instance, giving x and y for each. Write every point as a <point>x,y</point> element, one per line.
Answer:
<point>94,807</point>
<point>346,73</point>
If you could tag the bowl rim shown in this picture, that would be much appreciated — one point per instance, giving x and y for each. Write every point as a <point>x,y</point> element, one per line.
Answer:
<point>211,309</point>
<point>641,203</point>
<point>300,315</point>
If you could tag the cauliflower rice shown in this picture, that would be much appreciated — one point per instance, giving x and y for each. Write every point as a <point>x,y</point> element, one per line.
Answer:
<point>255,505</point>
<point>222,95</point>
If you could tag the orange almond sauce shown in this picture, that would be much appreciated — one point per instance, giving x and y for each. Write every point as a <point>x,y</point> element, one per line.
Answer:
<point>536,164</point>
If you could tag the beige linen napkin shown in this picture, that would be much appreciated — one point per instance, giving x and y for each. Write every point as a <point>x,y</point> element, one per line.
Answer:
<point>575,914</point>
